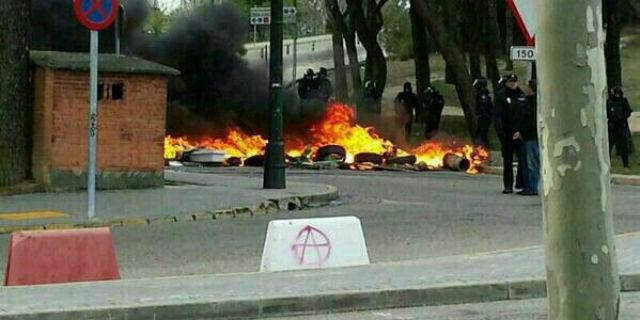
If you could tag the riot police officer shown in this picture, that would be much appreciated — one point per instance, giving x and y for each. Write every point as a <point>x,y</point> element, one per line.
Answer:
<point>305,85</point>
<point>325,89</point>
<point>407,107</point>
<point>618,111</point>
<point>510,102</point>
<point>484,109</point>
<point>434,104</point>
<point>369,104</point>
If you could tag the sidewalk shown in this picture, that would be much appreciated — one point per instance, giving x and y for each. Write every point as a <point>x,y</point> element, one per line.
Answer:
<point>191,197</point>
<point>498,276</point>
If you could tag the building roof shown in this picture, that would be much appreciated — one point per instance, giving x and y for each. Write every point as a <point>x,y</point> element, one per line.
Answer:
<point>110,63</point>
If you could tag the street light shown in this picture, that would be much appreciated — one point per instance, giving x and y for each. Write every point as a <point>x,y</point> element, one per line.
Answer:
<point>274,167</point>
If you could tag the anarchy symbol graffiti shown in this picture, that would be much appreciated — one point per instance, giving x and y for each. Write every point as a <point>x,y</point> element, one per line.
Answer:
<point>312,246</point>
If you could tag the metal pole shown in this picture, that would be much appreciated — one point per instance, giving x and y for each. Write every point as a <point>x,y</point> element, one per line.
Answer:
<point>93,126</point>
<point>295,42</point>
<point>117,30</point>
<point>255,33</point>
<point>274,173</point>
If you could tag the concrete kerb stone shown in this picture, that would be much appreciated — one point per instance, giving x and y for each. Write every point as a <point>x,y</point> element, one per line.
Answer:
<point>620,179</point>
<point>266,207</point>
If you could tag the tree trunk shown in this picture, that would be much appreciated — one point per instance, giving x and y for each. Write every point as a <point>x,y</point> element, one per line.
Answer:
<point>340,79</point>
<point>368,26</point>
<point>492,42</point>
<point>354,63</point>
<point>14,91</point>
<point>453,57</point>
<point>475,64</point>
<point>509,39</point>
<point>613,18</point>
<point>582,276</point>
<point>420,53</point>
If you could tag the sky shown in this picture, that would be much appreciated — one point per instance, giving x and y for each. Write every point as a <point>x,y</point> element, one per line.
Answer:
<point>169,4</point>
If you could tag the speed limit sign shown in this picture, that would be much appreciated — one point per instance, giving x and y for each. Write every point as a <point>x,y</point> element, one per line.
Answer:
<point>523,53</point>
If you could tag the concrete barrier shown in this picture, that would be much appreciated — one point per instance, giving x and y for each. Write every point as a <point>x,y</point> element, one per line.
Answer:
<point>313,244</point>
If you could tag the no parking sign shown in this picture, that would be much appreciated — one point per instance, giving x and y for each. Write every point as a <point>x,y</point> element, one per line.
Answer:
<point>96,14</point>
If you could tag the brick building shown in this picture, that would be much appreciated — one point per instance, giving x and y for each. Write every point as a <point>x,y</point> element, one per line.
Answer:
<point>132,102</point>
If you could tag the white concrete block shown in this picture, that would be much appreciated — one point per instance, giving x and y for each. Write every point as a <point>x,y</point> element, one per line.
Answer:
<point>313,244</point>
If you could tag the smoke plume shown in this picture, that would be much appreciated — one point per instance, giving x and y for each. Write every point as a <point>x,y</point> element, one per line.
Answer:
<point>216,89</point>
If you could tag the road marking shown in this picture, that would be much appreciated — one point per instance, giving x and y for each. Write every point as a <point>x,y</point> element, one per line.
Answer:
<point>32,215</point>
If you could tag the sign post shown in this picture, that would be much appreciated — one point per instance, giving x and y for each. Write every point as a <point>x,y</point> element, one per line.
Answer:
<point>525,15</point>
<point>96,15</point>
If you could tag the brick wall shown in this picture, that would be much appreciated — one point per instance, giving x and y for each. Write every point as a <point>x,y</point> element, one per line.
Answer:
<point>130,131</point>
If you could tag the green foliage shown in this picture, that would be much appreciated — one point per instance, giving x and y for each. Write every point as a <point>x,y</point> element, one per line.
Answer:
<point>396,34</point>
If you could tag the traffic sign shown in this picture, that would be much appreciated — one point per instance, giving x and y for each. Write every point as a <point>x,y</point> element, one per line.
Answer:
<point>96,14</point>
<point>262,15</point>
<point>523,53</point>
<point>525,15</point>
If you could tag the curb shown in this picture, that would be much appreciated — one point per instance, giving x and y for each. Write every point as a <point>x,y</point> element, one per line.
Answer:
<point>273,205</point>
<point>332,302</point>
<point>620,179</point>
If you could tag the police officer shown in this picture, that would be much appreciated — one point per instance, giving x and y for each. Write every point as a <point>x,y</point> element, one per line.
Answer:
<point>305,85</point>
<point>510,102</point>
<point>484,109</point>
<point>618,111</point>
<point>434,104</point>
<point>368,103</point>
<point>325,89</point>
<point>407,107</point>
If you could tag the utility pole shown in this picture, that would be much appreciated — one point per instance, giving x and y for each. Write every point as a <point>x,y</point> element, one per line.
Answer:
<point>295,44</point>
<point>274,175</point>
<point>582,274</point>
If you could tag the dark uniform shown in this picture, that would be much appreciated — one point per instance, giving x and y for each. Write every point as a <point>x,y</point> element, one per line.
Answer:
<point>509,104</point>
<point>484,111</point>
<point>434,104</point>
<point>324,87</point>
<point>618,111</point>
<point>369,104</point>
<point>306,85</point>
<point>408,101</point>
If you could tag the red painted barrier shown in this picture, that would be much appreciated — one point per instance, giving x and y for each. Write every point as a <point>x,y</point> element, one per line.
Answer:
<point>61,256</point>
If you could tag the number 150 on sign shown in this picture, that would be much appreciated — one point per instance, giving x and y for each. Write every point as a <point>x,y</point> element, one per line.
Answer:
<point>523,53</point>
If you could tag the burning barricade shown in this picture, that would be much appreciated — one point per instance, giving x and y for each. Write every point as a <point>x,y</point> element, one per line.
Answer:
<point>333,142</point>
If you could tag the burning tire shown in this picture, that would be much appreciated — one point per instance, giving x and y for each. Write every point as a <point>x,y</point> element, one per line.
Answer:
<point>331,152</point>
<point>368,157</point>
<point>255,161</point>
<point>234,162</point>
<point>456,163</point>
<point>403,160</point>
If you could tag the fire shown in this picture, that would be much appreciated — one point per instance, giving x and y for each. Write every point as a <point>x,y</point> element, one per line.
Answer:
<point>337,127</point>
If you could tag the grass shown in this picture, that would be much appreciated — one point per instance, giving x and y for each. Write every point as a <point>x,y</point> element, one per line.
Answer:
<point>634,160</point>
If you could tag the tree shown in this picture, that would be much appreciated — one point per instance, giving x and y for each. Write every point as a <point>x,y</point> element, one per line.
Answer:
<point>582,276</point>
<point>613,17</point>
<point>453,56</point>
<point>420,53</point>
<point>335,19</point>
<point>366,17</point>
<point>14,91</point>
<point>492,42</point>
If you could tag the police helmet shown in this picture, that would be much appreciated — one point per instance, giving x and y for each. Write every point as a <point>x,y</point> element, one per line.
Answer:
<point>407,87</point>
<point>617,91</point>
<point>480,83</point>
<point>322,72</point>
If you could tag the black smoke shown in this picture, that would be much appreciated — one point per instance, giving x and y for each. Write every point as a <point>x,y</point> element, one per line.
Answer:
<point>216,89</point>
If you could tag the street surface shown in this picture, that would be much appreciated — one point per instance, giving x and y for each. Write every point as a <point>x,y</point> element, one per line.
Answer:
<point>536,309</point>
<point>405,216</point>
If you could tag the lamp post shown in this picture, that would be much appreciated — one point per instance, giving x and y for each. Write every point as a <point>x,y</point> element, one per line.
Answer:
<point>274,167</point>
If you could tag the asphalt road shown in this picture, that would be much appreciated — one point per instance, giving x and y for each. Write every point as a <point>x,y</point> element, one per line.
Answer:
<point>405,216</point>
<point>536,309</point>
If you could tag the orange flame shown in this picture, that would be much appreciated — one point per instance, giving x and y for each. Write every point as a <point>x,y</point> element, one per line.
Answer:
<point>336,127</point>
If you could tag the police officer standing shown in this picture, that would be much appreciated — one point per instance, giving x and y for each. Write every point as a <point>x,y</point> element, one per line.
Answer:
<point>434,104</point>
<point>369,105</point>
<point>325,89</point>
<point>618,111</point>
<point>407,107</point>
<point>305,85</point>
<point>510,102</point>
<point>484,109</point>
